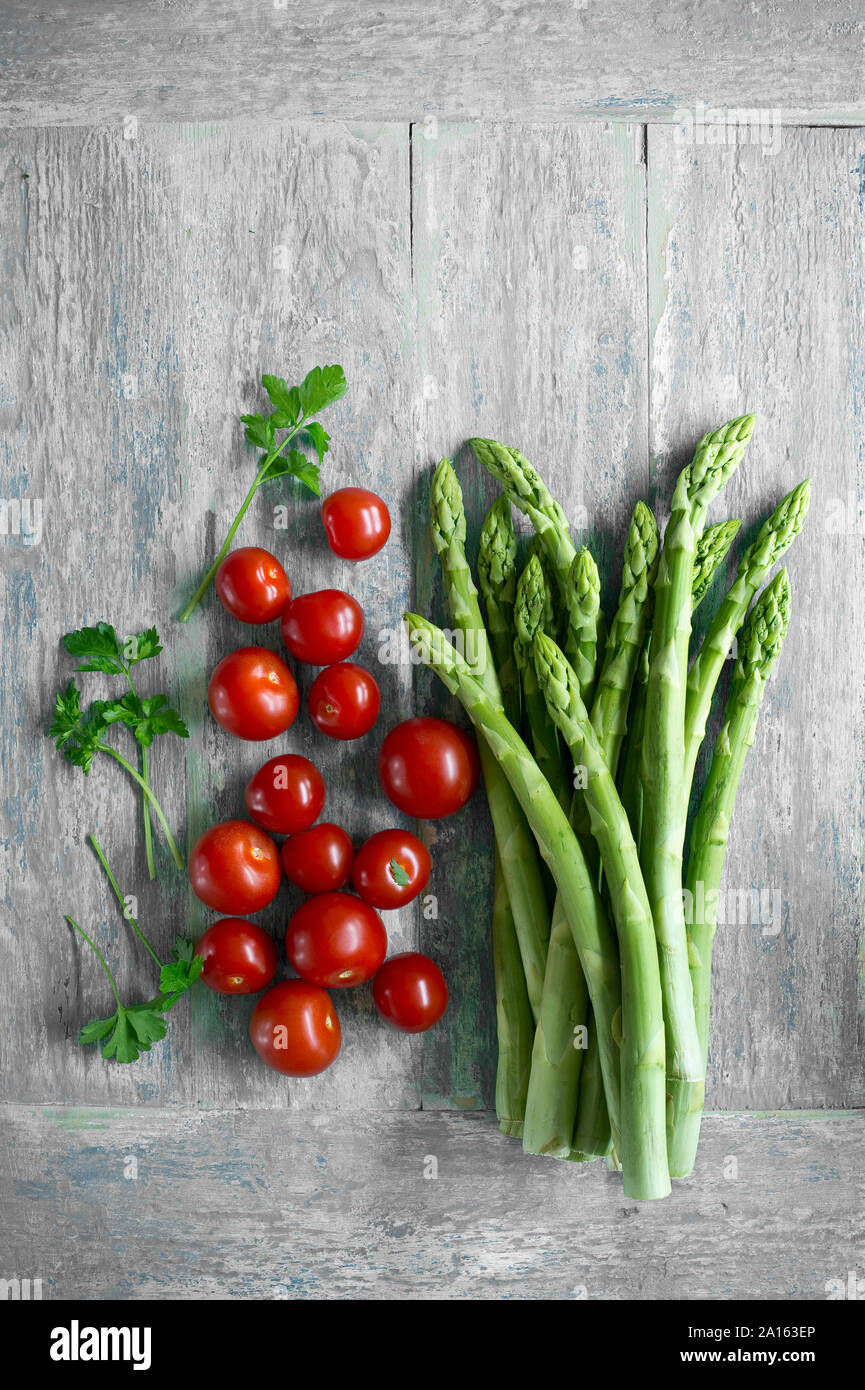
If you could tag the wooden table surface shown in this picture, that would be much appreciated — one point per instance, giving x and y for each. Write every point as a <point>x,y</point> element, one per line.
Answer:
<point>565,257</point>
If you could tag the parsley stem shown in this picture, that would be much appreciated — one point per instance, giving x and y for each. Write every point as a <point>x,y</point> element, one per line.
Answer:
<point>259,479</point>
<point>98,954</point>
<point>148,828</point>
<point>119,896</point>
<point>145,787</point>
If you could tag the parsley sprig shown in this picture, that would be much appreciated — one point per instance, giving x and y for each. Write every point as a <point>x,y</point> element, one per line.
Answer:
<point>133,1028</point>
<point>292,418</point>
<point>80,737</point>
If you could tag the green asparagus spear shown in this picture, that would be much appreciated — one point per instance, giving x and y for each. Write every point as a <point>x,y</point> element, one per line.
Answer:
<point>497,578</point>
<point>594,938</point>
<point>533,614</point>
<point>716,458</point>
<point>554,1082</point>
<point>665,795</point>
<point>530,495</point>
<point>527,491</point>
<point>552,620</point>
<point>514,1023</point>
<point>627,634</point>
<point>556,1063</point>
<point>497,575</point>
<point>584,613</point>
<point>642,1114</point>
<point>520,864</point>
<point>712,548</point>
<point>775,537</point>
<point>760,643</point>
<point>592,1130</point>
<point>608,713</point>
<point>629,779</point>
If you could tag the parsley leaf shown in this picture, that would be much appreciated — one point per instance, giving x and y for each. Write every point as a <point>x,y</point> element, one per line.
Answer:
<point>318,437</point>
<point>178,974</point>
<point>126,710</point>
<point>398,873</point>
<point>128,1032</point>
<point>101,649</point>
<point>97,647</point>
<point>78,739</point>
<point>67,713</point>
<point>296,465</point>
<point>164,721</point>
<point>132,1028</point>
<point>142,646</point>
<point>255,430</point>
<point>321,387</point>
<point>99,1028</point>
<point>285,401</point>
<point>146,718</point>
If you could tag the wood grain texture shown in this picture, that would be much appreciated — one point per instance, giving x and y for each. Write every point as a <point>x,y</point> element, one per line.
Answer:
<point>99,61</point>
<point>157,1204</point>
<point>557,287</point>
<point>149,282</point>
<point>515,231</point>
<point>756,292</point>
<point>146,283</point>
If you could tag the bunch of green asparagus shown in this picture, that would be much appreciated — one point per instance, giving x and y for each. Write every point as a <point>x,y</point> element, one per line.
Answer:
<point>589,737</point>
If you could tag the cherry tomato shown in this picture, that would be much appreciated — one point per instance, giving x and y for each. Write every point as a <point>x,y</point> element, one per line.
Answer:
<point>239,957</point>
<point>410,992</point>
<point>357,522</point>
<point>253,694</point>
<point>336,940</point>
<point>344,700</point>
<point>318,860</point>
<point>252,585</point>
<point>428,767</point>
<point>286,794</point>
<point>234,868</point>
<point>322,627</point>
<point>391,868</point>
<point>295,1030</point>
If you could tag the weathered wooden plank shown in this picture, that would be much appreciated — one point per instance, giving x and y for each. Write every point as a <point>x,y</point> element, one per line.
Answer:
<point>150,281</point>
<point>168,1204</point>
<point>146,282</point>
<point>756,288</point>
<point>529,273</point>
<point>98,61</point>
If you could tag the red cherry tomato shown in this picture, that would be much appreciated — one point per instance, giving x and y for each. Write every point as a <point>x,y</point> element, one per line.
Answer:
<point>323,627</point>
<point>410,992</point>
<point>318,860</point>
<point>336,940</point>
<point>295,1030</point>
<point>239,958</point>
<point>234,868</point>
<point>253,694</point>
<point>286,794</point>
<point>252,585</point>
<point>357,522</point>
<point>344,700</point>
<point>428,767</point>
<point>391,868</point>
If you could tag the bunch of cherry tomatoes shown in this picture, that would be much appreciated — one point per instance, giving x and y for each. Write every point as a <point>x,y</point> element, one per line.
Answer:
<point>427,767</point>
